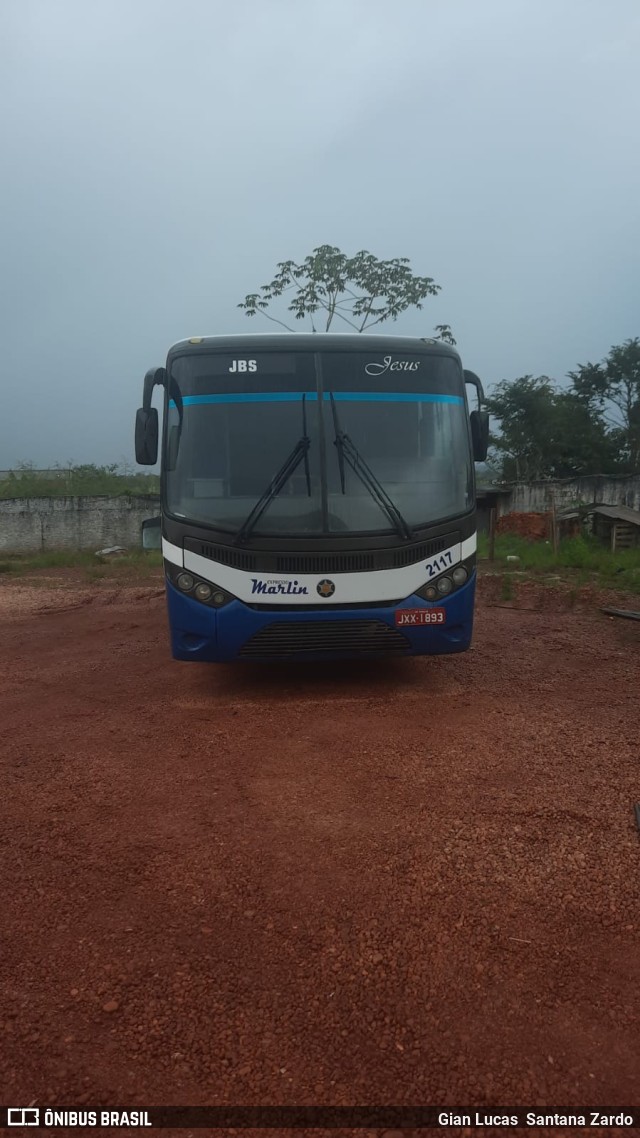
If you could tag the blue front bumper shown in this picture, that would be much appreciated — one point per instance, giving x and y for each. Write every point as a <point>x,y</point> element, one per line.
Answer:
<point>199,632</point>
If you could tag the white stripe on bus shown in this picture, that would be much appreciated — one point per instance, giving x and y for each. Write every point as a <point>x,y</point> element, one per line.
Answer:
<point>172,553</point>
<point>375,585</point>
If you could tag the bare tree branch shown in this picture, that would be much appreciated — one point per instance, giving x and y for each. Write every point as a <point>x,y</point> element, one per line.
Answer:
<point>276,321</point>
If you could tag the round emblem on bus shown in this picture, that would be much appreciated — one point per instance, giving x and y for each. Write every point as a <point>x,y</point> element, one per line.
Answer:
<point>326,588</point>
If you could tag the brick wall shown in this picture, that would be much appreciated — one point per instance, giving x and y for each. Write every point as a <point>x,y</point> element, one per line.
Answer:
<point>535,526</point>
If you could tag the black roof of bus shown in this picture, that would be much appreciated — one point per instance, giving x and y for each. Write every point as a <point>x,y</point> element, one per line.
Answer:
<point>305,342</point>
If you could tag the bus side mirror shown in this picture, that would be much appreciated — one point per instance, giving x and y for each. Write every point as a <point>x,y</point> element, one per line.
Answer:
<point>147,436</point>
<point>152,533</point>
<point>480,434</point>
<point>147,419</point>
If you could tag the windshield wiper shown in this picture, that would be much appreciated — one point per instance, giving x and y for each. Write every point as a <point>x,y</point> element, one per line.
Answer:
<point>347,450</point>
<point>289,466</point>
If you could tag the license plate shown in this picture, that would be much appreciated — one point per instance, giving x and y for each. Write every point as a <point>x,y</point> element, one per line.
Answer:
<point>415,617</point>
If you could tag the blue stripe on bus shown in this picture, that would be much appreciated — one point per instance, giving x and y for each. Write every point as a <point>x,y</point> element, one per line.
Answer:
<point>247,397</point>
<point>296,396</point>
<point>391,397</point>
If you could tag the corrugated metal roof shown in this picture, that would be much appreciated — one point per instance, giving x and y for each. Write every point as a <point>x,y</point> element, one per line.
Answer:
<point>619,513</point>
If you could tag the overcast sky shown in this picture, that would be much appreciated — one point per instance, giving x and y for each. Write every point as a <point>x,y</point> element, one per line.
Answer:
<point>159,158</point>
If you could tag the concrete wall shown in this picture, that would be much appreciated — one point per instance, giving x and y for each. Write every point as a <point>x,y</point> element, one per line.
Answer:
<point>539,497</point>
<point>32,525</point>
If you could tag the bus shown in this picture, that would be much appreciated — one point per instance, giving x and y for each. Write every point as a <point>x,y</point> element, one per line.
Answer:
<point>317,495</point>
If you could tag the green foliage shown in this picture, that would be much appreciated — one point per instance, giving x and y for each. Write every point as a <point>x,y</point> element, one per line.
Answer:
<point>593,427</point>
<point>584,557</point>
<point>52,559</point>
<point>136,560</point>
<point>612,389</point>
<point>80,480</point>
<point>546,432</point>
<point>361,291</point>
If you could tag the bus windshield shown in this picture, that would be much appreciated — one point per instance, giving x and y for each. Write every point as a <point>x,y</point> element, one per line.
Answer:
<point>232,424</point>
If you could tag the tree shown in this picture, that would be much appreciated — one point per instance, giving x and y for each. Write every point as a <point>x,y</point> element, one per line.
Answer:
<point>523,409</point>
<point>612,389</point>
<point>361,291</point>
<point>546,432</point>
<point>579,442</point>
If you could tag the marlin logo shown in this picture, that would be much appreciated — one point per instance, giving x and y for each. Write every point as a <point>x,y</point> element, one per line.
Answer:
<point>278,588</point>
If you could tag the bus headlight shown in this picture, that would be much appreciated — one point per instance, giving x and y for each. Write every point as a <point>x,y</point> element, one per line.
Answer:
<point>185,582</point>
<point>444,586</point>
<point>454,579</point>
<point>206,592</point>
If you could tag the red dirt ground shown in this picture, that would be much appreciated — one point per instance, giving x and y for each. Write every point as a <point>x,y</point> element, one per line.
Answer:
<point>404,882</point>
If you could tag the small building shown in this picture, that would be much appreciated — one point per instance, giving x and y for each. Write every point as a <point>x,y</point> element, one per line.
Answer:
<point>570,522</point>
<point>490,498</point>
<point>618,526</point>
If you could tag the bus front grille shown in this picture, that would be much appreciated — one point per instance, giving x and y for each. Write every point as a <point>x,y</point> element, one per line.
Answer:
<point>326,563</point>
<point>414,553</point>
<point>329,636</point>
<point>321,563</point>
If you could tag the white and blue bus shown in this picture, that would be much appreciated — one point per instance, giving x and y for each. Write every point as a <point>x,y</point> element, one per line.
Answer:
<point>317,495</point>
